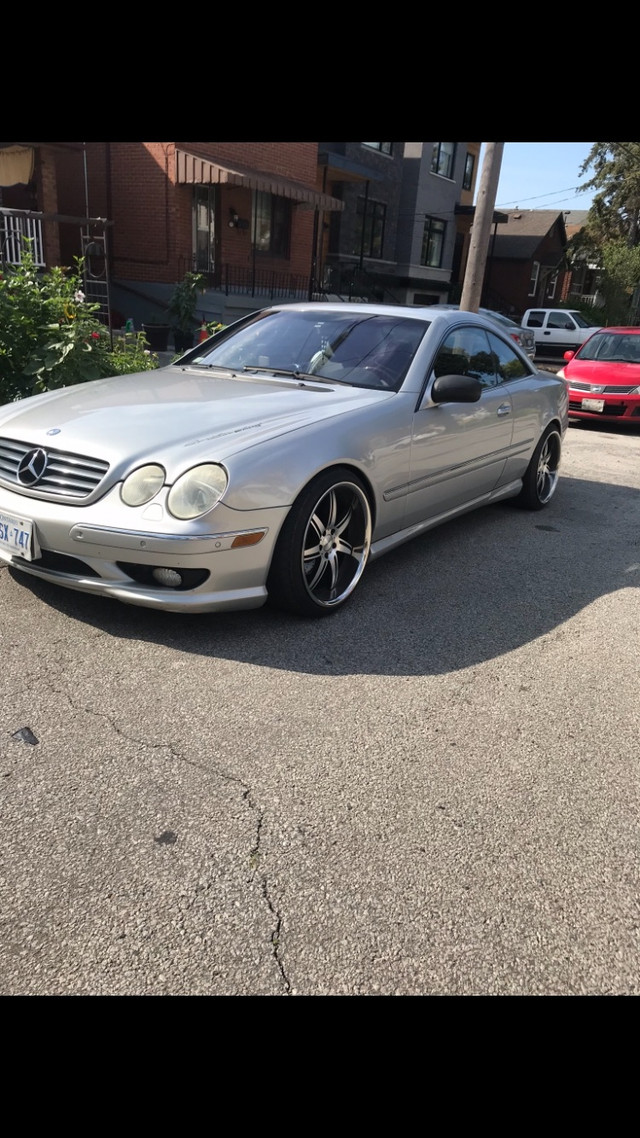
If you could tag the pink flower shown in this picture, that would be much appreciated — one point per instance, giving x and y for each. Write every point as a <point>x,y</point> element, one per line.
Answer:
<point>95,335</point>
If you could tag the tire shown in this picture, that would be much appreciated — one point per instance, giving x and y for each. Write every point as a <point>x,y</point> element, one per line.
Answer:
<point>322,549</point>
<point>541,477</point>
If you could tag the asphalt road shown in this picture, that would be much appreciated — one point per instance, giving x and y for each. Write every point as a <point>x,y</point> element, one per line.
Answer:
<point>436,791</point>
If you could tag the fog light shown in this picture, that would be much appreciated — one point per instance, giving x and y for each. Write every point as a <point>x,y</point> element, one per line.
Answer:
<point>168,577</point>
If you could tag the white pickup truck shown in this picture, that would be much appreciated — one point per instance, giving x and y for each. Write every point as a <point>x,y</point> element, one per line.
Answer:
<point>557,330</point>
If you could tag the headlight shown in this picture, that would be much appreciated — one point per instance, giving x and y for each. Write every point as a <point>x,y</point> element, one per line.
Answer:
<point>142,485</point>
<point>635,391</point>
<point>560,373</point>
<point>197,491</point>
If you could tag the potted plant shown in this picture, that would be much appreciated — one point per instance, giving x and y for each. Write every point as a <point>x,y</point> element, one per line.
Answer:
<point>182,309</point>
<point>156,333</point>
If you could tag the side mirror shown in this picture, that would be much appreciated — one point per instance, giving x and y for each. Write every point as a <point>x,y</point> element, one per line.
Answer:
<point>456,389</point>
<point>568,356</point>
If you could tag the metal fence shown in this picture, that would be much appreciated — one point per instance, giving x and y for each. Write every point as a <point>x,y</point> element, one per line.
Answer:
<point>13,230</point>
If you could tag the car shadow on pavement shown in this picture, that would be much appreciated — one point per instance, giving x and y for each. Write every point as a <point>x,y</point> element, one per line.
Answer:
<point>462,594</point>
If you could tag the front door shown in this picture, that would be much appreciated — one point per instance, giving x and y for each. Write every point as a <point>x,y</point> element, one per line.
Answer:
<point>459,450</point>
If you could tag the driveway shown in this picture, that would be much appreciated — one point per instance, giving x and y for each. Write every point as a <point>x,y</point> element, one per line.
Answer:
<point>435,791</point>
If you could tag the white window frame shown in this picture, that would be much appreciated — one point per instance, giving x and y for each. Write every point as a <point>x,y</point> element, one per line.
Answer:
<point>533,282</point>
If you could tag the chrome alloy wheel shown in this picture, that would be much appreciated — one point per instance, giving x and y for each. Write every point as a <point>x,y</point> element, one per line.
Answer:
<point>336,544</point>
<point>548,468</point>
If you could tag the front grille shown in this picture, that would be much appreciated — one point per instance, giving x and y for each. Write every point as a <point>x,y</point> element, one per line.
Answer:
<point>66,476</point>
<point>611,389</point>
<point>62,563</point>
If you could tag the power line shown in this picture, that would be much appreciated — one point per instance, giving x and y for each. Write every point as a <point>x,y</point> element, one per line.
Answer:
<point>537,197</point>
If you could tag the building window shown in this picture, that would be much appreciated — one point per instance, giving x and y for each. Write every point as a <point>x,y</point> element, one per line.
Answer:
<point>204,228</point>
<point>271,224</point>
<point>369,230</point>
<point>433,242</point>
<point>551,287</point>
<point>533,283</point>
<point>469,165</point>
<point>383,147</point>
<point>442,159</point>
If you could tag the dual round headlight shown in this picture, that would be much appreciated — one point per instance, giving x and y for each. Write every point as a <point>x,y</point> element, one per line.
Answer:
<point>194,493</point>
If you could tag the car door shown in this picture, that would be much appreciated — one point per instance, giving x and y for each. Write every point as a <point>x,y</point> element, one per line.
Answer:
<point>459,450</point>
<point>521,383</point>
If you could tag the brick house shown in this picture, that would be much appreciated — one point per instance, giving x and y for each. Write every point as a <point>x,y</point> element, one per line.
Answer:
<point>526,264</point>
<point>261,221</point>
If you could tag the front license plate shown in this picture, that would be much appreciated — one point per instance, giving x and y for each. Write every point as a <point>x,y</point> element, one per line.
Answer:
<point>16,536</point>
<point>593,404</point>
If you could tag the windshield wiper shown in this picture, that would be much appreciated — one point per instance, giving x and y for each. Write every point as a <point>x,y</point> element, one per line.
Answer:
<point>295,374</point>
<point>211,367</point>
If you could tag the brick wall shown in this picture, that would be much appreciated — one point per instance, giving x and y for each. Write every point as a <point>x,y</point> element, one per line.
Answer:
<point>134,185</point>
<point>48,196</point>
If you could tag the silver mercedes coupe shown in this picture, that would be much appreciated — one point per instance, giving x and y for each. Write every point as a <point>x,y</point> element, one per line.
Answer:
<point>275,460</point>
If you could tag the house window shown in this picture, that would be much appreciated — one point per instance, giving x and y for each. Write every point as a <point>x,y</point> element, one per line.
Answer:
<point>204,228</point>
<point>271,224</point>
<point>442,159</point>
<point>433,242</point>
<point>533,283</point>
<point>383,147</point>
<point>469,165</point>
<point>369,229</point>
<point>551,287</point>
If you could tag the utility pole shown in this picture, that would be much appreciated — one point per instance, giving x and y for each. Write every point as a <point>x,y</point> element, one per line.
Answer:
<point>481,229</point>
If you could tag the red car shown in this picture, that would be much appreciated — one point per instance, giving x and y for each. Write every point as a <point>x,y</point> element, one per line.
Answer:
<point>603,377</point>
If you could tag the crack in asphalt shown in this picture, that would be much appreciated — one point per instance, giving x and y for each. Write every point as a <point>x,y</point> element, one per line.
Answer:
<point>254,861</point>
<point>254,857</point>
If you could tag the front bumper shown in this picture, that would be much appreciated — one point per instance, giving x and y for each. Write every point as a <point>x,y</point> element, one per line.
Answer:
<point>615,408</point>
<point>219,569</point>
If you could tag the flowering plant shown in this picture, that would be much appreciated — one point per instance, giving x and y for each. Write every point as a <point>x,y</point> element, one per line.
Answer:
<point>50,336</point>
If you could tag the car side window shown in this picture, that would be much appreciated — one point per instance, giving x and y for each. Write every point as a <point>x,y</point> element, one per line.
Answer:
<point>466,351</point>
<point>509,365</point>
<point>559,320</point>
<point>535,320</point>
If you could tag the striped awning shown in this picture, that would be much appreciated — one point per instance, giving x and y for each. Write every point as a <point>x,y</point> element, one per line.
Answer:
<point>196,170</point>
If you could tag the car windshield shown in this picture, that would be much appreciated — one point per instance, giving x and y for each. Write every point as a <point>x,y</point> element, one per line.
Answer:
<point>365,350</point>
<point>580,320</point>
<point>610,346</point>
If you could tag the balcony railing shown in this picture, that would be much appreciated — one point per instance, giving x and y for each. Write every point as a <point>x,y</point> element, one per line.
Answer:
<point>12,232</point>
<point>252,281</point>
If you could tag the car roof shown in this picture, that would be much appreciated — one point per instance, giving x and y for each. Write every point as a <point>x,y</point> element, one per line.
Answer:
<point>482,311</point>
<point>621,330</point>
<point>448,313</point>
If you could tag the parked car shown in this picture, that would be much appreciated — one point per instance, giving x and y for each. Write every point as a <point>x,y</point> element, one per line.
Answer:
<point>603,377</point>
<point>557,330</point>
<point>523,337</point>
<point>276,459</point>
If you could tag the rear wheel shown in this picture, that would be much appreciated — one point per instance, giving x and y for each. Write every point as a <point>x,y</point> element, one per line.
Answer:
<point>541,477</point>
<point>323,547</point>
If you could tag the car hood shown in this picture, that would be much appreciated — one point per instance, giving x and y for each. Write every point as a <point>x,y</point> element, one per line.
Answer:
<point>162,412</point>
<point>603,374</point>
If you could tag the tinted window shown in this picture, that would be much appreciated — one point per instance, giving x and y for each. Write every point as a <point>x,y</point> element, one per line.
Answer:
<point>535,320</point>
<point>560,320</point>
<point>466,351</point>
<point>508,364</point>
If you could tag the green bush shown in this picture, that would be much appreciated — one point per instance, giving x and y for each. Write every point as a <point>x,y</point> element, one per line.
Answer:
<point>50,335</point>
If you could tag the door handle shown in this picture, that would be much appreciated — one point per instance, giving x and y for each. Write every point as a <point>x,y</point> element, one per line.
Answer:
<point>504,409</point>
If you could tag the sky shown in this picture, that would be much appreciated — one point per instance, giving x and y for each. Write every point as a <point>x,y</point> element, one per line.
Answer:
<point>541,175</point>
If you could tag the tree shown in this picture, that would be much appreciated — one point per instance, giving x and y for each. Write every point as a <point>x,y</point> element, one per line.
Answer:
<point>615,212</point>
<point>611,235</point>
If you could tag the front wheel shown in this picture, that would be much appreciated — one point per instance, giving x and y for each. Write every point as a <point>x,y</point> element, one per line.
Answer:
<point>323,547</point>
<point>541,477</point>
